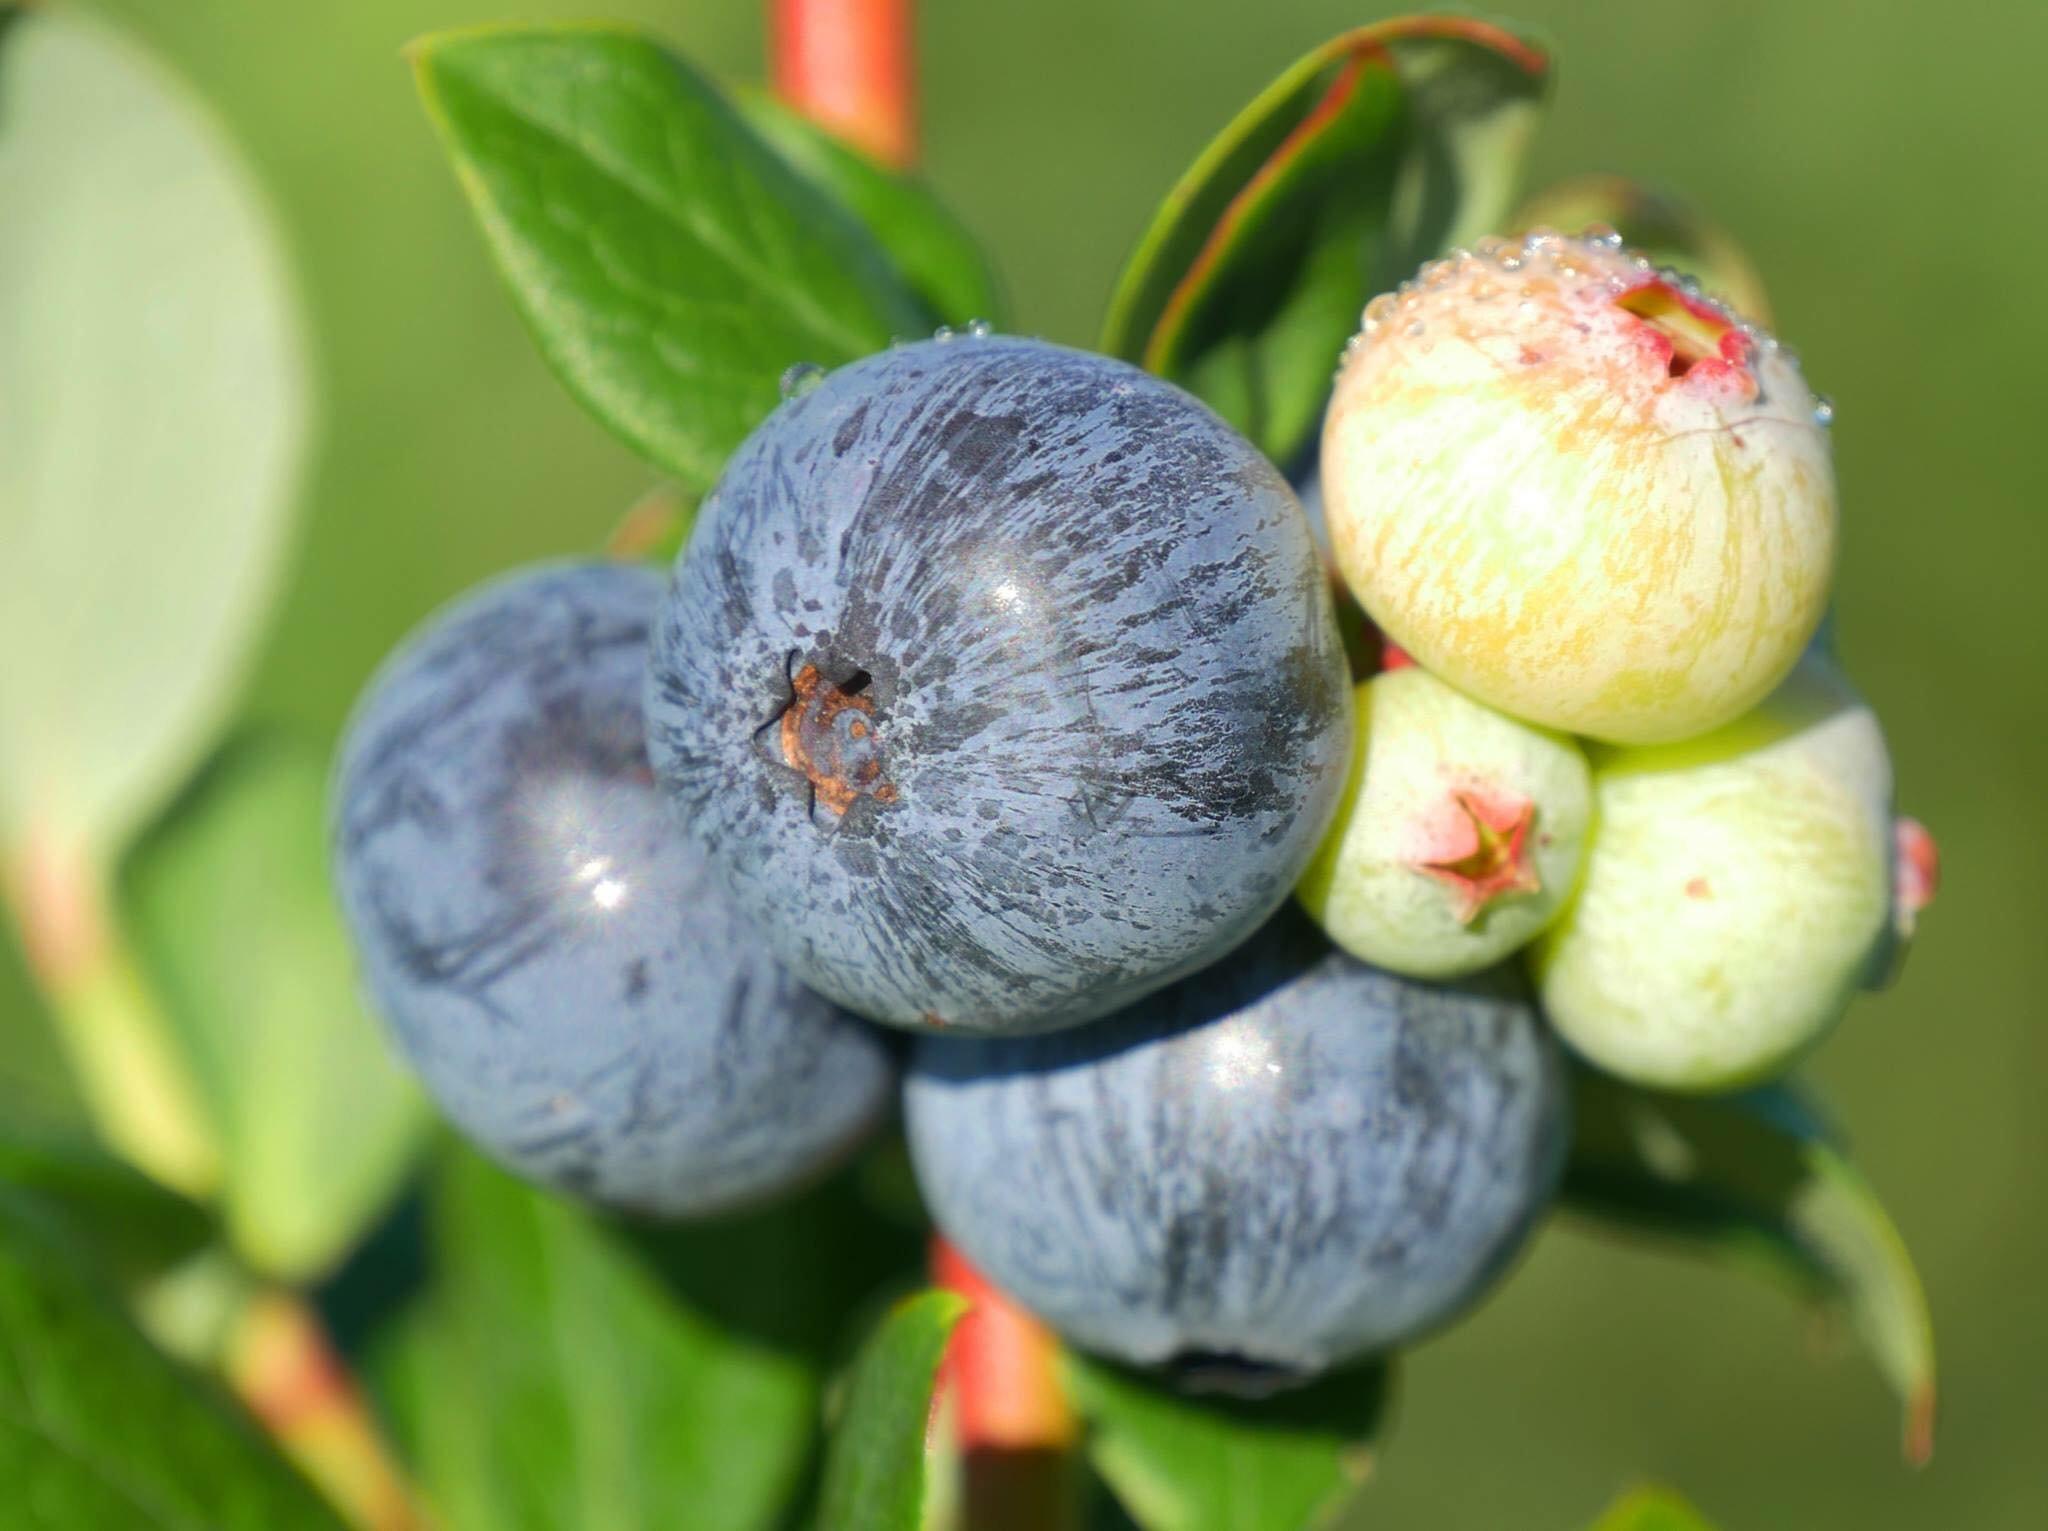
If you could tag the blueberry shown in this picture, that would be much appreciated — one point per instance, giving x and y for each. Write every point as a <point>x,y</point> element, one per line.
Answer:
<point>1286,1162</point>
<point>570,984</point>
<point>1002,682</point>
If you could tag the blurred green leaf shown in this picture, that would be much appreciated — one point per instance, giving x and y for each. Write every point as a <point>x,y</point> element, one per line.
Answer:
<point>130,1226</point>
<point>875,1470</point>
<point>98,1432</point>
<point>1754,1179</point>
<point>937,256</point>
<point>228,899</point>
<point>670,265</point>
<point>155,399</point>
<point>1650,1509</point>
<point>35,1081</point>
<point>564,1369</point>
<point>1374,152</point>
<point>1213,1463</point>
<point>1662,226</point>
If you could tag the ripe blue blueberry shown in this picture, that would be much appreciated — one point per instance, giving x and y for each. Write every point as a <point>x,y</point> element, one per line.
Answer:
<point>1288,1161</point>
<point>1002,682</point>
<point>569,982</point>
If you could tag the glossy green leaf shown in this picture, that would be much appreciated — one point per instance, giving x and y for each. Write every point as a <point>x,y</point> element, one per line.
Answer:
<point>564,1369</point>
<point>230,905</point>
<point>670,265</point>
<point>1650,1509</point>
<point>1212,1463</point>
<point>1371,154</point>
<point>875,1469</point>
<point>1664,227</point>
<point>936,255</point>
<point>1756,1179</point>
<point>98,1432</point>
<point>154,393</point>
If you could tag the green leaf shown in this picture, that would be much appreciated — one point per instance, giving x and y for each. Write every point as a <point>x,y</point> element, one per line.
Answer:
<point>155,395</point>
<point>98,1432</point>
<point>1755,1179</point>
<point>1374,152</point>
<point>936,255</point>
<point>564,1369</point>
<point>1650,1509</point>
<point>875,1472</point>
<point>670,265</point>
<point>1664,227</point>
<point>229,903</point>
<point>131,1226</point>
<point>1210,1463</point>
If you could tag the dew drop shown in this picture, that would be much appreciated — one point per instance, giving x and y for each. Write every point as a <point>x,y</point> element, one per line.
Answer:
<point>800,379</point>
<point>944,333</point>
<point>1604,234</point>
<point>1823,411</point>
<point>979,329</point>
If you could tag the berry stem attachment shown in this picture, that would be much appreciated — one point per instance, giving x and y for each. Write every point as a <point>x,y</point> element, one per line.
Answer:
<point>849,66</point>
<point>113,1030</point>
<point>282,1365</point>
<point>1014,1429</point>
<point>268,1346</point>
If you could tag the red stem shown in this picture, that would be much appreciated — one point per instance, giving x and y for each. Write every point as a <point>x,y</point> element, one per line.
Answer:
<point>1010,1416</point>
<point>849,65</point>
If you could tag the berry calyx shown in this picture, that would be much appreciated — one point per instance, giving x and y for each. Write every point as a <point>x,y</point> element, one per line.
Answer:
<point>1488,854</point>
<point>828,732</point>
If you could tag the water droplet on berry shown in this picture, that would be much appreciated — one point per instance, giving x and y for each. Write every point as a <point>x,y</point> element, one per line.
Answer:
<point>1823,411</point>
<point>979,329</point>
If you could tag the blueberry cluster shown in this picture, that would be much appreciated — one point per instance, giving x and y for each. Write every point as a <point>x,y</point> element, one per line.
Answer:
<point>998,698</point>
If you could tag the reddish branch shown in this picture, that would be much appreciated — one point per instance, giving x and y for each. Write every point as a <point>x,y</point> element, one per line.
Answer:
<point>849,65</point>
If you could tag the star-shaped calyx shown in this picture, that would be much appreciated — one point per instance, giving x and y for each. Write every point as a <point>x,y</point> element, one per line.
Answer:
<point>1484,853</point>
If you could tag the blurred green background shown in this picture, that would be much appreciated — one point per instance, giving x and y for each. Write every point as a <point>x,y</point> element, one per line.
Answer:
<point>1883,163</point>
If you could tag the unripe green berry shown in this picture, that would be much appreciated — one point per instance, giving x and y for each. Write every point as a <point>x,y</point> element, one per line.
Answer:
<point>1737,892</point>
<point>1460,833</point>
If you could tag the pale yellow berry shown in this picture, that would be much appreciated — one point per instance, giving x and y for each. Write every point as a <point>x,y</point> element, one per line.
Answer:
<point>1580,491</point>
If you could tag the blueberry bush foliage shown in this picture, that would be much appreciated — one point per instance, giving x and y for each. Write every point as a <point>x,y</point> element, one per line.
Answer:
<point>243,1281</point>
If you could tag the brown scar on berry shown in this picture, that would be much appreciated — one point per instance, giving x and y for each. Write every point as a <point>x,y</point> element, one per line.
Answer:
<point>934,1019</point>
<point>1488,854</point>
<point>811,745</point>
